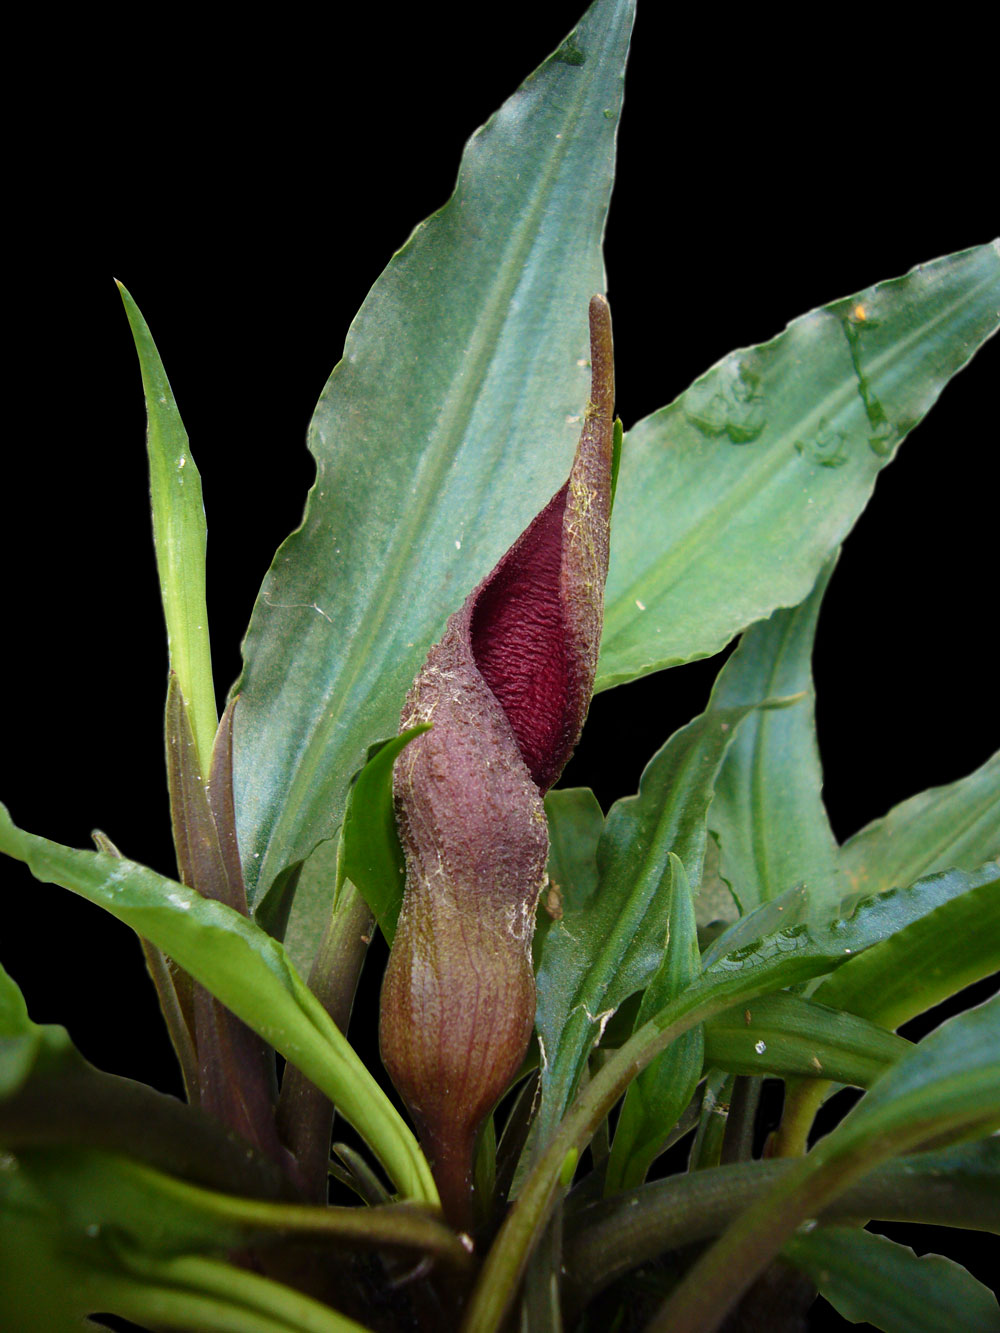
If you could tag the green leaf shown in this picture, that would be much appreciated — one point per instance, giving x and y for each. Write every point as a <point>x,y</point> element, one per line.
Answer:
<point>779,960</point>
<point>768,813</point>
<point>576,822</point>
<point>49,1094</point>
<point>79,1234</point>
<point>784,1034</point>
<point>869,1279</point>
<point>160,1214</point>
<point>247,970</point>
<point>957,825</point>
<point>14,1020</point>
<point>764,464</point>
<point>654,1102</point>
<point>948,1084</point>
<point>954,945</point>
<point>955,1187</point>
<point>602,952</point>
<point>372,855</point>
<point>448,424</point>
<point>179,536</point>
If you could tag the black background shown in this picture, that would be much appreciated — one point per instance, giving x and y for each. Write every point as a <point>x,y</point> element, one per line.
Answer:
<point>249,186</point>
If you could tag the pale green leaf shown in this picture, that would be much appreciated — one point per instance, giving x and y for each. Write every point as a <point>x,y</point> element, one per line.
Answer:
<point>956,825</point>
<point>731,499</point>
<point>179,535</point>
<point>768,813</point>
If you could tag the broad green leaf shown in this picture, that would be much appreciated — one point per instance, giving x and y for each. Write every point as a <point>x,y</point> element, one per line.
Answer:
<point>933,958</point>
<point>654,1102</point>
<point>247,970</point>
<point>957,825</point>
<point>954,1187</point>
<point>731,499</point>
<point>372,855</point>
<point>784,1034</point>
<point>450,421</point>
<point>179,536</point>
<point>869,1279</point>
<point>598,955</point>
<point>948,1084</point>
<point>768,813</point>
<point>56,1267</point>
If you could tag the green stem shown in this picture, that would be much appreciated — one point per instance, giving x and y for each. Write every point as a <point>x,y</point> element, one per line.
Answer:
<point>191,1291</point>
<point>803,1098</point>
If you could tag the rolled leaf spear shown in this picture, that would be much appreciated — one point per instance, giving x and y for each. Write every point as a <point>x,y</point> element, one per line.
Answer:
<point>506,691</point>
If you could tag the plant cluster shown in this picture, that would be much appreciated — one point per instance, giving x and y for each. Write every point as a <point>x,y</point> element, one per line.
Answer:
<point>580,1007</point>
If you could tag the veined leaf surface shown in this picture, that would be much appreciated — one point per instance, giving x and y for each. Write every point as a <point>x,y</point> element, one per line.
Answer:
<point>448,424</point>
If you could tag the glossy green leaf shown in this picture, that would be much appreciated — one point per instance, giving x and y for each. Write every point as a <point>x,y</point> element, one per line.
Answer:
<point>951,947</point>
<point>656,1099</point>
<point>768,813</point>
<point>179,535</point>
<point>448,424</point>
<point>764,464</point>
<point>784,1034</point>
<point>948,1084</point>
<point>598,955</point>
<point>957,825</point>
<point>372,855</point>
<point>247,970</point>
<point>869,1279</point>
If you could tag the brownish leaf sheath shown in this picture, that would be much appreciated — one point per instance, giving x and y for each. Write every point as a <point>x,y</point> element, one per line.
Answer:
<point>506,691</point>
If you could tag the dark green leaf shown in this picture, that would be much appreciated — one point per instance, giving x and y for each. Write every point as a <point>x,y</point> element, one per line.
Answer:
<point>871,1280</point>
<point>656,1099</point>
<point>764,464</point>
<point>576,822</point>
<point>84,1233</point>
<point>948,1084</point>
<point>372,855</point>
<point>956,1187</point>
